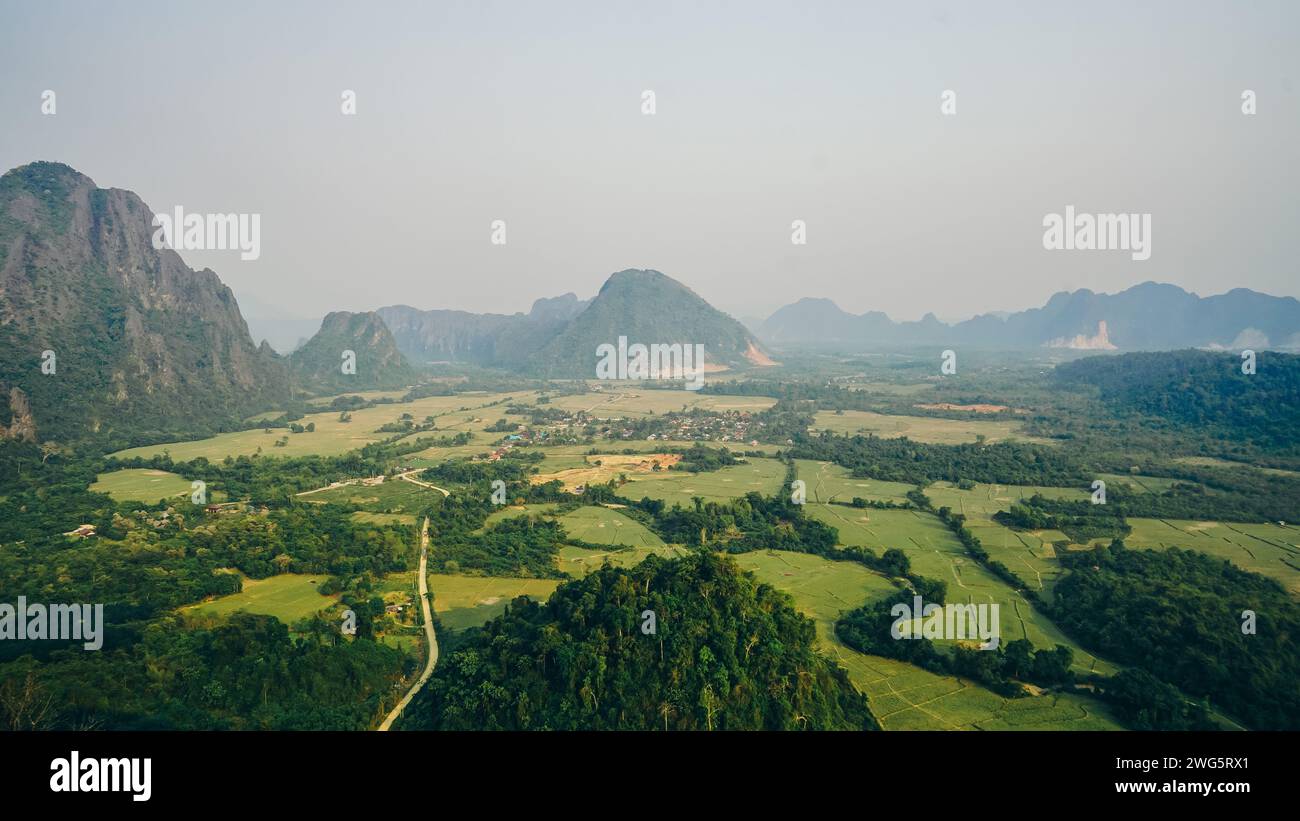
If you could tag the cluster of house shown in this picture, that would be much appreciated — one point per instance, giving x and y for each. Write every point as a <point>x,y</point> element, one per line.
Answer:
<point>737,427</point>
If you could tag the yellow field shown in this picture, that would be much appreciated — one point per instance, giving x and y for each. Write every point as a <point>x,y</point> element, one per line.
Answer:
<point>579,561</point>
<point>620,403</point>
<point>921,428</point>
<point>331,436</point>
<point>141,485</point>
<point>611,467</point>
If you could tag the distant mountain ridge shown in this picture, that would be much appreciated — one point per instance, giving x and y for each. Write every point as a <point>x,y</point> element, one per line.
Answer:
<point>1149,316</point>
<point>559,336</point>
<point>442,335</point>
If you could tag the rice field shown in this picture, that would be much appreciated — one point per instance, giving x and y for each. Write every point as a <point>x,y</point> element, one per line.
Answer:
<point>935,430</point>
<point>635,402</point>
<point>141,485</point>
<point>1031,555</point>
<point>935,553</point>
<point>678,487</point>
<point>331,436</point>
<point>902,696</point>
<point>289,597</point>
<point>602,525</point>
<point>1270,550</point>
<point>470,601</point>
<point>579,561</point>
<point>827,481</point>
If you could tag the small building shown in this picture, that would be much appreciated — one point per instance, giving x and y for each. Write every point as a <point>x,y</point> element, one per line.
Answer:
<point>82,532</point>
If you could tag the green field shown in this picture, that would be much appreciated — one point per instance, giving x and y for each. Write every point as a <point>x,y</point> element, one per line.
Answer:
<point>141,485</point>
<point>921,428</point>
<point>331,436</point>
<point>1267,549</point>
<point>678,486</point>
<point>902,696</point>
<point>935,553</point>
<point>579,561</point>
<point>827,481</point>
<point>823,588</point>
<point>288,597</point>
<point>1031,555</point>
<point>511,511</point>
<point>393,496</point>
<point>602,525</point>
<point>470,601</point>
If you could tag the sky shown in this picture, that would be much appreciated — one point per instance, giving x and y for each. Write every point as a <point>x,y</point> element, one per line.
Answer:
<point>765,113</point>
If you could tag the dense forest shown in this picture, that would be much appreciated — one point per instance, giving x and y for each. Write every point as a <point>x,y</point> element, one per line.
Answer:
<point>902,460</point>
<point>247,672</point>
<point>1179,615</point>
<point>1198,388</point>
<point>726,653</point>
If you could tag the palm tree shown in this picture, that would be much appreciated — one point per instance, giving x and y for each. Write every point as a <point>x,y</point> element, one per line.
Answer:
<point>665,709</point>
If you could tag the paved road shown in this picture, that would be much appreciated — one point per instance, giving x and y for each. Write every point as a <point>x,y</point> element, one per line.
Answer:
<point>428,632</point>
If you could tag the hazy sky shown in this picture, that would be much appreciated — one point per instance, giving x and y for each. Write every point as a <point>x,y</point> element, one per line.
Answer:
<point>530,112</point>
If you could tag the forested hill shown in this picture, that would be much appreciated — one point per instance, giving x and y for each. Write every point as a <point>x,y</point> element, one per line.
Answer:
<point>727,654</point>
<point>318,365</point>
<point>1201,388</point>
<point>647,307</point>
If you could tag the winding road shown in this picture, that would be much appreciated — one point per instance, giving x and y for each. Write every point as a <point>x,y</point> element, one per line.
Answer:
<point>428,632</point>
<point>407,476</point>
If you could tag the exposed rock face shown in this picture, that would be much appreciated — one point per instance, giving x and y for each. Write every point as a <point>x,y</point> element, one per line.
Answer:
<point>22,426</point>
<point>143,342</point>
<point>483,339</point>
<point>1082,342</point>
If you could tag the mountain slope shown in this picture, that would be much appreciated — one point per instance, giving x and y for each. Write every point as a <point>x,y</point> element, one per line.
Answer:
<point>142,344</point>
<point>646,307</point>
<point>482,339</point>
<point>318,364</point>
<point>1149,316</point>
